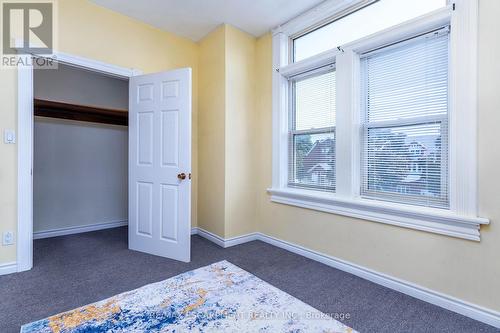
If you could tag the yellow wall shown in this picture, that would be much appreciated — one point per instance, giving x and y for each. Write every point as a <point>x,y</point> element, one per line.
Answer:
<point>211,134</point>
<point>227,103</point>
<point>464,269</point>
<point>93,32</point>
<point>8,165</point>
<point>240,124</point>
<point>263,129</point>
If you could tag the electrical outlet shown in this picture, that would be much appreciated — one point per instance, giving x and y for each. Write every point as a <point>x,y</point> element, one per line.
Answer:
<point>8,238</point>
<point>9,136</point>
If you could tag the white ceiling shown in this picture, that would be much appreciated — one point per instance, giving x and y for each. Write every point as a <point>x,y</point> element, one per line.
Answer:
<point>196,18</point>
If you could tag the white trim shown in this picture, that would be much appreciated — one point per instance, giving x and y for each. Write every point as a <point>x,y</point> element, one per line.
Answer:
<point>86,63</point>
<point>89,64</point>
<point>8,268</point>
<point>317,61</point>
<point>280,111</point>
<point>322,14</point>
<point>224,242</point>
<point>210,236</point>
<point>454,304</point>
<point>463,103</point>
<point>78,229</point>
<point>237,240</point>
<point>24,168</point>
<point>96,66</point>
<point>25,146</point>
<point>432,220</point>
<point>347,122</point>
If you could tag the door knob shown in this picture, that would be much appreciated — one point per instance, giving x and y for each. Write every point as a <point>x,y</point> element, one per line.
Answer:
<point>181,176</point>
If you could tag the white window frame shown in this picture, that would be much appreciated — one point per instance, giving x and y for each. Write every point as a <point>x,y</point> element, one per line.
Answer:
<point>461,219</point>
<point>292,131</point>
<point>367,125</point>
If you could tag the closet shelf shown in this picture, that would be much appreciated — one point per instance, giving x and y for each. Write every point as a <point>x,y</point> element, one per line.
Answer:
<point>54,109</point>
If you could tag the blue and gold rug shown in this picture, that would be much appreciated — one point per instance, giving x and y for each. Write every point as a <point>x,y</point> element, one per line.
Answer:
<point>218,297</point>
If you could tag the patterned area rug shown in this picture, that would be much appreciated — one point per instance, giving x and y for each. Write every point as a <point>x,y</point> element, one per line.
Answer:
<point>218,297</point>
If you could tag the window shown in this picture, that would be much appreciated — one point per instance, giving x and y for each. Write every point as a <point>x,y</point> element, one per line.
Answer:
<point>382,128</point>
<point>312,130</point>
<point>375,17</point>
<point>405,121</point>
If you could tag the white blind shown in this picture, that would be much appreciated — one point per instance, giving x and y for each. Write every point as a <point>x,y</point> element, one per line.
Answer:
<point>312,130</point>
<point>405,122</point>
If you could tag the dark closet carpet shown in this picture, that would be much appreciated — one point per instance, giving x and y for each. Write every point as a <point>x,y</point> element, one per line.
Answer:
<point>72,271</point>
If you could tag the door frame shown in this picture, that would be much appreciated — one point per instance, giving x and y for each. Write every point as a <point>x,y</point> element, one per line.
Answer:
<point>25,123</point>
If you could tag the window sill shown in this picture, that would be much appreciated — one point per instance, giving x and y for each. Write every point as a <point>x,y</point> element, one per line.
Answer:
<point>420,218</point>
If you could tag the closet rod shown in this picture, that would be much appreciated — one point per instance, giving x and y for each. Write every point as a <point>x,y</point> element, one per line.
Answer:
<point>54,109</point>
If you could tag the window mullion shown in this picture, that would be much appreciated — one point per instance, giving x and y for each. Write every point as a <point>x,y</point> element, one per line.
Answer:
<point>463,108</point>
<point>346,106</point>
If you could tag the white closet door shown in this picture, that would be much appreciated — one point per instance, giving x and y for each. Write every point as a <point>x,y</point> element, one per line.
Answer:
<point>160,164</point>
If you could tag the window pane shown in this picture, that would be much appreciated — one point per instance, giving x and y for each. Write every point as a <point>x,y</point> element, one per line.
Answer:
<point>313,161</point>
<point>315,102</point>
<point>366,21</point>
<point>312,132</point>
<point>405,151</point>
<point>407,164</point>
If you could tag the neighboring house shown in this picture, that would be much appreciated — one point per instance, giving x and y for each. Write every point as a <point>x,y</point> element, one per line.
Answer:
<point>416,152</point>
<point>319,163</point>
<point>415,181</point>
<point>319,173</point>
<point>418,169</point>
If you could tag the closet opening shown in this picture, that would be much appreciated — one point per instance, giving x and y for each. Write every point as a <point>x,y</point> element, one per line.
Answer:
<point>80,151</point>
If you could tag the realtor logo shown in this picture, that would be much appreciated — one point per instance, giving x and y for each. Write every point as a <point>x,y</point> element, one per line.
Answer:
<point>27,27</point>
<point>28,33</point>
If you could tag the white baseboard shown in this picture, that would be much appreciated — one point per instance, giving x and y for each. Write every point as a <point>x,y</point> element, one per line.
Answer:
<point>241,239</point>
<point>224,242</point>
<point>470,310</point>
<point>8,268</point>
<point>211,237</point>
<point>78,229</point>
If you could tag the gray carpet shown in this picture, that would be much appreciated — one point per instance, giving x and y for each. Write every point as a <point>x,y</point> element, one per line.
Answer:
<point>72,271</point>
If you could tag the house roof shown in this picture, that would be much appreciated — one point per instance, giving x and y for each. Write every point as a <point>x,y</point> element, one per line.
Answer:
<point>323,166</point>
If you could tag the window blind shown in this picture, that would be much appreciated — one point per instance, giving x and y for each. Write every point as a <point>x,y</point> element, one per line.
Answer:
<point>312,130</point>
<point>404,155</point>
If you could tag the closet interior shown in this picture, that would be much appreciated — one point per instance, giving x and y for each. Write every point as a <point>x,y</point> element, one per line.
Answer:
<point>80,173</point>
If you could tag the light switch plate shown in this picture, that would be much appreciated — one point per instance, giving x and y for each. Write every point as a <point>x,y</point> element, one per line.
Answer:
<point>8,238</point>
<point>9,136</point>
